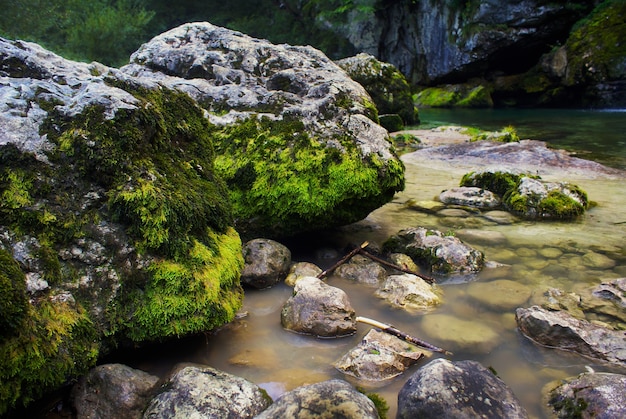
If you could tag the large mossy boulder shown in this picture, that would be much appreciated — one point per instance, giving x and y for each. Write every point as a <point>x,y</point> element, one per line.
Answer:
<point>387,86</point>
<point>121,230</point>
<point>297,140</point>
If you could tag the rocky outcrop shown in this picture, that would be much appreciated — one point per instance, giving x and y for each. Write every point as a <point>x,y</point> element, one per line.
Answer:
<point>113,390</point>
<point>332,399</point>
<point>202,391</point>
<point>440,253</point>
<point>318,309</point>
<point>471,40</point>
<point>458,389</point>
<point>296,138</point>
<point>558,329</point>
<point>387,86</point>
<point>590,395</point>
<point>267,263</point>
<point>121,189</point>
<point>107,184</point>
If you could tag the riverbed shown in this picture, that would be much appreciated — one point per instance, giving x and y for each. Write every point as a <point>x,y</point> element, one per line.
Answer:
<point>538,255</point>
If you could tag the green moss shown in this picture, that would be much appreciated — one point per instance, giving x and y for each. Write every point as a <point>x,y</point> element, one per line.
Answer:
<point>197,293</point>
<point>391,122</point>
<point>55,342</point>
<point>13,302</point>
<point>436,97</point>
<point>382,407</point>
<point>508,134</point>
<point>569,407</point>
<point>595,46</point>
<point>478,97</point>
<point>155,162</point>
<point>560,206</point>
<point>497,182</point>
<point>281,178</point>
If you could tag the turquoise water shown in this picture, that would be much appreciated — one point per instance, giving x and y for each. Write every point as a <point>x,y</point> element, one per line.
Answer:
<point>598,135</point>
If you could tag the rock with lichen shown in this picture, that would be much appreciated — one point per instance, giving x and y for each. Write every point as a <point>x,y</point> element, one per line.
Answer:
<point>529,196</point>
<point>112,215</point>
<point>297,140</point>
<point>387,86</point>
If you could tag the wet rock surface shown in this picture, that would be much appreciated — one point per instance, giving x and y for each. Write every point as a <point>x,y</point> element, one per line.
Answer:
<point>267,263</point>
<point>438,252</point>
<point>589,395</point>
<point>443,388</point>
<point>332,399</point>
<point>113,390</point>
<point>410,293</point>
<point>318,309</point>
<point>378,357</point>
<point>560,330</point>
<point>202,391</point>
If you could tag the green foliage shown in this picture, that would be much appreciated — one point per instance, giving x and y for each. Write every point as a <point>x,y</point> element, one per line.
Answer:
<point>478,97</point>
<point>282,179</point>
<point>101,30</point>
<point>13,302</point>
<point>55,341</point>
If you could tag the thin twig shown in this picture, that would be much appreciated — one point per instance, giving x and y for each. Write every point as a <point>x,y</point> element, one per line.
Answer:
<point>397,333</point>
<point>343,260</point>
<point>396,267</point>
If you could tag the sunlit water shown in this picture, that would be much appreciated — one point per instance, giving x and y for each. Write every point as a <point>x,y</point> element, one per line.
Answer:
<point>540,255</point>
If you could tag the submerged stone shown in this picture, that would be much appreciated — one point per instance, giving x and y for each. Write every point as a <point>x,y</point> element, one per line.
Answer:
<point>452,332</point>
<point>501,294</point>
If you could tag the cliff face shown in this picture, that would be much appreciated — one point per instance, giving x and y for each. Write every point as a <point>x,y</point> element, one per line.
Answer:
<point>434,42</point>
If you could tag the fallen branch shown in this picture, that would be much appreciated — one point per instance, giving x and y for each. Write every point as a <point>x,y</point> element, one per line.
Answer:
<point>396,267</point>
<point>399,334</point>
<point>343,260</point>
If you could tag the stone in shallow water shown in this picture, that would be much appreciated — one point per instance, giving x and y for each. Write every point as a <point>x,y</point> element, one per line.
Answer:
<point>300,270</point>
<point>409,292</point>
<point>551,252</point>
<point>470,196</point>
<point>453,333</point>
<point>379,356</point>
<point>486,237</point>
<point>501,294</point>
<point>453,212</point>
<point>500,217</point>
<point>598,261</point>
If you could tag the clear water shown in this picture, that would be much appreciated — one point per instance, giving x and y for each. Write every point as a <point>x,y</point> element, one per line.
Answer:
<point>540,255</point>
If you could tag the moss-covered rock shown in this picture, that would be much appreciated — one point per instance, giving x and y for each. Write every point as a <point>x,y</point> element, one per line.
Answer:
<point>387,86</point>
<point>530,197</point>
<point>112,207</point>
<point>467,95</point>
<point>297,140</point>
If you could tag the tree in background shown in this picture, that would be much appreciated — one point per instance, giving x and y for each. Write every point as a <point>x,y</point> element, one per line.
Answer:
<point>102,30</point>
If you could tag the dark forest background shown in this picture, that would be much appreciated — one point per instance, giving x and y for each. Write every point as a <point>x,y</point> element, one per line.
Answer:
<point>108,31</point>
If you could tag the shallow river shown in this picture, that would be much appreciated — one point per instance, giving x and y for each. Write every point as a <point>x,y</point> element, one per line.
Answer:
<point>540,255</point>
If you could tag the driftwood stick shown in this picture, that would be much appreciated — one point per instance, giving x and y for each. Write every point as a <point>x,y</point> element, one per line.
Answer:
<point>396,267</point>
<point>399,334</point>
<point>343,260</point>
